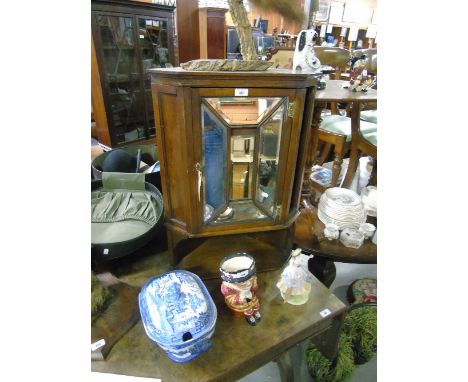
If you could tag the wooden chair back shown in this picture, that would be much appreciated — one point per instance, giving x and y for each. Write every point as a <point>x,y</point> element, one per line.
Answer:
<point>333,56</point>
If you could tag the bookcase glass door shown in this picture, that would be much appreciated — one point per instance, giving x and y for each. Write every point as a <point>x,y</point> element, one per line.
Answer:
<point>154,53</point>
<point>121,77</point>
<point>127,45</point>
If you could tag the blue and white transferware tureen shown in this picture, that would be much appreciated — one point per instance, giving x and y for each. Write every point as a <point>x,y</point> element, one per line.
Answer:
<point>178,314</point>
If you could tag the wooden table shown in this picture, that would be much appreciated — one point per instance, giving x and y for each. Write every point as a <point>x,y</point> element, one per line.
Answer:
<point>238,348</point>
<point>308,235</point>
<point>333,92</point>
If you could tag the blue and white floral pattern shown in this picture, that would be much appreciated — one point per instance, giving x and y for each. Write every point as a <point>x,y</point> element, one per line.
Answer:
<point>178,314</point>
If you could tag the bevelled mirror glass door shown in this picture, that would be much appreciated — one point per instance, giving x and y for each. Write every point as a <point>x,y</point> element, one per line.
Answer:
<point>238,174</point>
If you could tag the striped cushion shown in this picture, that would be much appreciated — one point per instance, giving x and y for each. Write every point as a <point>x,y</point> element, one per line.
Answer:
<point>339,124</point>
<point>369,116</point>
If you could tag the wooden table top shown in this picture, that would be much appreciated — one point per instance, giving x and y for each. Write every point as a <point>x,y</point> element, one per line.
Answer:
<point>238,348</point>
<point>309,236</point>
<point>334,91</point>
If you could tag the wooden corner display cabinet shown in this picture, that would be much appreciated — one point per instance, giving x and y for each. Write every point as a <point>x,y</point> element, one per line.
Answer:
<point>231,148</point>
<point>129,37</point>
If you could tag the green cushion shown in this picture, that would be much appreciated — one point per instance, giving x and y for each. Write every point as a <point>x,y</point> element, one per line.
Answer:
<point>369,116</point>
<point>339,124</point>
<point>122,209</point>
<point>372,138</point>
<point>121,215</point>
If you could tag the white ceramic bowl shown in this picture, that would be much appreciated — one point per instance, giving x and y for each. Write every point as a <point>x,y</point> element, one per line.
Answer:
<point>352,238</point>
<point>367,229</point>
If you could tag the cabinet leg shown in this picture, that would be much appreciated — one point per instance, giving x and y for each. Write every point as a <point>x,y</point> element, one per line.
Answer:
<point>173,238</point>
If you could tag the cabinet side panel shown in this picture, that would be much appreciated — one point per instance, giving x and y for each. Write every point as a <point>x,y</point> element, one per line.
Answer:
<point>216,34</point>
<point>294,155</point>
<point>304,148</point>
<point>175,160</point>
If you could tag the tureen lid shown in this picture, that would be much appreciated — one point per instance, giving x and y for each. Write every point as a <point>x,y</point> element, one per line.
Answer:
<point>176,308</point>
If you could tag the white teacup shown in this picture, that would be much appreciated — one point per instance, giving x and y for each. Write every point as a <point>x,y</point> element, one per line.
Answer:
<point>367,229</point>
<point>331,231</point>
<point>374,238</point>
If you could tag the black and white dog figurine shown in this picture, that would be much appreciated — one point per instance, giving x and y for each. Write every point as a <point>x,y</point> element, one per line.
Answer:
<point>304,55</point>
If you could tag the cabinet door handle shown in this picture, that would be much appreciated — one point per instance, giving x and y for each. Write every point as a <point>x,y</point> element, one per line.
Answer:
<point>199,180</point>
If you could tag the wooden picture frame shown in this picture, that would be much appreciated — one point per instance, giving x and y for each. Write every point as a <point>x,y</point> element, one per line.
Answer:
<point>323,10</point>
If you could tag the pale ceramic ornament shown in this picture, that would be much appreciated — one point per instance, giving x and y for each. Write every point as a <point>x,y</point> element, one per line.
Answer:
<point>351,238</point>
<point>295,281</point>
<point>367,229</point>
<point>304,54</point>
<point>331,231</point>
<point>374,238</point>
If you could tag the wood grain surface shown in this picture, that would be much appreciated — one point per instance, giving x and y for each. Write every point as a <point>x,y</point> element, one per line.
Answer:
<point>116,320</point>
<point>238,348</point>
<point>309,236</point>
<point>334,91</point>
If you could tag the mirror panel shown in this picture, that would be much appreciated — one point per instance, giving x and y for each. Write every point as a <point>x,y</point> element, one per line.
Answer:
<point>243,110</point>
<point>244,189</point>
<point>242,156</point>
<point>267,174</point>
<point>213,163</point>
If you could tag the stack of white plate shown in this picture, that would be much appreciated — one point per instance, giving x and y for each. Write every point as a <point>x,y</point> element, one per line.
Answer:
<point>342,207</point>
<point>369,198</point>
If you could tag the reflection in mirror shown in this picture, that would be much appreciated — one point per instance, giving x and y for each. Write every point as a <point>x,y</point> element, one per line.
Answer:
<point>241,181</point>
<point>214,162</point>
<point>270,137</point>
<point>242,155</point>
<point>242,210</point>
<point>243,110</point>
<point>242,148</point>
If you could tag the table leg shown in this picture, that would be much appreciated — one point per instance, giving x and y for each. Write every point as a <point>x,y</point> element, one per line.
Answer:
<point>337,162</point>
<point>354,157</point>
<point>311,148</point>
<point>292,364</point>
<point>285,367</point>
<point>327,341</point>
<point>323,269</point>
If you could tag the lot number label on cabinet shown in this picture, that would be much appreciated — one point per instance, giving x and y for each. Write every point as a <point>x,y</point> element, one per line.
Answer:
<point>240,92</point>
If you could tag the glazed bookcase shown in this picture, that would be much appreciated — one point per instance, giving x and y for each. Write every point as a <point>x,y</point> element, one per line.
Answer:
<point>129,37</point>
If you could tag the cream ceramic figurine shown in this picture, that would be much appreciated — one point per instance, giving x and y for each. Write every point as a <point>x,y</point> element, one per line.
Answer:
<point>294,284</point>
<point>304,55</point>
<point>367,229</point>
